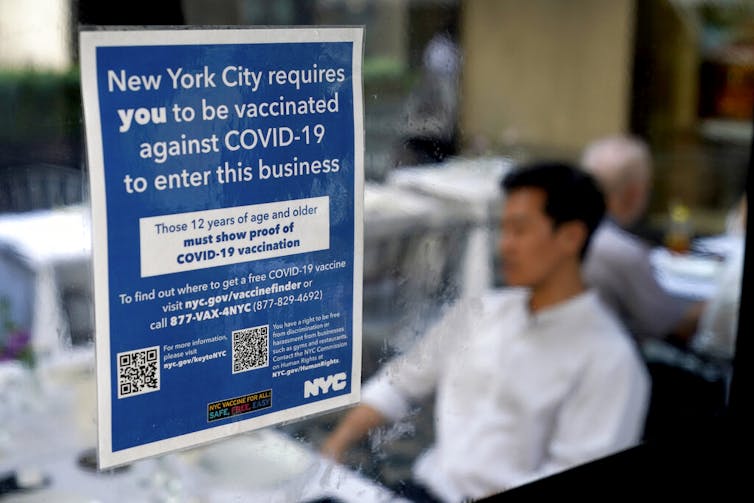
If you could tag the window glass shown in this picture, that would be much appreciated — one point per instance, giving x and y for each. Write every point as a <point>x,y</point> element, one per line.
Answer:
<point>457,94</point>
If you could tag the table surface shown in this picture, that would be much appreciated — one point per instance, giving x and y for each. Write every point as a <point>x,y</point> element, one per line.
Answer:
<point>469,181</point>
<point>47,236</point>
<point>694,275</point>
<point>49,426</point>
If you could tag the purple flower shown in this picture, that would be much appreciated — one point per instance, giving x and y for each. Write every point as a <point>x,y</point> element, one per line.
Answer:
<point>15,345</point>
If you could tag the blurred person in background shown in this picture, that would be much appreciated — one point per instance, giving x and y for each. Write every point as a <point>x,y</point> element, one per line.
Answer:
<point>618,264</point>
<point>430,129</point>
<point>530,379</point>
<point>684,394</point>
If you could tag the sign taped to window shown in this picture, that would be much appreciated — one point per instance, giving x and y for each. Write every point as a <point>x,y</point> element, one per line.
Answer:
<point>226,179</point>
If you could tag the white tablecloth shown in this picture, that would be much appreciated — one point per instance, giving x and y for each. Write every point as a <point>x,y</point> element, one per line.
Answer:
<point>48,423</point>
<point>471,187</point>
<point>36,248</point>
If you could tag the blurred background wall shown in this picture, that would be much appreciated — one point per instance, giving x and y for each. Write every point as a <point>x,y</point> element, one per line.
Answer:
<point>546,73</point>
<point>540,77</point>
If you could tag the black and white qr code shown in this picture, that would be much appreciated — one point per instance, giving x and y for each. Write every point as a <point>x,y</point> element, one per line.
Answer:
<point>138,372</point>
<point>251,348</point>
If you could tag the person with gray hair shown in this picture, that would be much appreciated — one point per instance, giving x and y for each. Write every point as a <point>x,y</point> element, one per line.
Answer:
<point>622,166</point>
<point>618,264</point>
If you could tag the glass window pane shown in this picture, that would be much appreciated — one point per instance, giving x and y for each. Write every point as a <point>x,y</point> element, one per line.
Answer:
<point>457,94</point>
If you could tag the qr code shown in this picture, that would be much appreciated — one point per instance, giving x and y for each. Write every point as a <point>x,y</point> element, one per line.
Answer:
<point>138,372</point>
<point>251,348</point>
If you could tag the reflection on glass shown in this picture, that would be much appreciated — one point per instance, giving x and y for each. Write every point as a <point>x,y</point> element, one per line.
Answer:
<point>680,76</point>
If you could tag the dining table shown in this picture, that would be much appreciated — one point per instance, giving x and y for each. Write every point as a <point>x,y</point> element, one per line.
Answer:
<point>48,433</point>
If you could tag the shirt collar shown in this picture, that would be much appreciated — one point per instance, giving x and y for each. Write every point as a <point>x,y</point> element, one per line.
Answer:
<point>568,307</point>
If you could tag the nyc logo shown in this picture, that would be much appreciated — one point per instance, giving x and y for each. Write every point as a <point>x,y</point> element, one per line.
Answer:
<point>334,382</point>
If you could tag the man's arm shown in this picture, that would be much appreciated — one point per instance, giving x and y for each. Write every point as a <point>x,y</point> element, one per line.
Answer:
<point>621,269</point>
<point>387,395</point>
<point>357,423</point>
<point>689,323</point>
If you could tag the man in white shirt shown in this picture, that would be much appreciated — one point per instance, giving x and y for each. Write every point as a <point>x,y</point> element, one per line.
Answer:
<point>531,379</point>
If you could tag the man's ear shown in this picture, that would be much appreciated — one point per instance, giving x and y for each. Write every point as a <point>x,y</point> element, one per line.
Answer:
<point>572,236</point>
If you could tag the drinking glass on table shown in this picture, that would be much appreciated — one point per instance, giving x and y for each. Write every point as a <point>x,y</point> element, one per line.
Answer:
<point>679,231</point>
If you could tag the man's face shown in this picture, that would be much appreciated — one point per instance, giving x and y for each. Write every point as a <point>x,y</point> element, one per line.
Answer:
<point>531,249</point>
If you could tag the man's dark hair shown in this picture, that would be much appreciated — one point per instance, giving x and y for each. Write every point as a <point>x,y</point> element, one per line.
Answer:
<point>570,193</point>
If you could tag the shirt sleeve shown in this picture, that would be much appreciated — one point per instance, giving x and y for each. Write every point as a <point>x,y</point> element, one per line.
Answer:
<point>604,414</point>
<point>621,269</point>
<point>654,311</point>
<point>413,374</point>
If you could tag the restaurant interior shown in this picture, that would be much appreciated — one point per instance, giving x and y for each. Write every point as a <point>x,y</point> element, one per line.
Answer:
<point>527,80</point>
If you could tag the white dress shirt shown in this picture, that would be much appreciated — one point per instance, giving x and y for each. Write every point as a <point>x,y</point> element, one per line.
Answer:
<point>518,395</point>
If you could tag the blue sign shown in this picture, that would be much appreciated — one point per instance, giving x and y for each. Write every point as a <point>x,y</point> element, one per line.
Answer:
<point>226,173</point>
